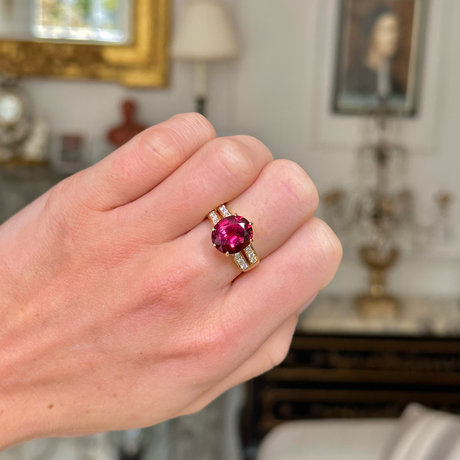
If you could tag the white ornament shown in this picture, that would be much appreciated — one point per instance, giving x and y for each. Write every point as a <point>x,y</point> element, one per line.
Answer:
<point>35,146</point>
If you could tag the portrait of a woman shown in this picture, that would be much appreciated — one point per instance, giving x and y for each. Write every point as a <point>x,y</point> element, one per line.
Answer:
<point>379,55</point>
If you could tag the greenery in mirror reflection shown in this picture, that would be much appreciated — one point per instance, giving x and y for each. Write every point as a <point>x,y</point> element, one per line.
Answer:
<point>88,20</point>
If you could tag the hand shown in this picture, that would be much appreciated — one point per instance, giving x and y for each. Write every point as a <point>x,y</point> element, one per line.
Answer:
<point>116,310</point>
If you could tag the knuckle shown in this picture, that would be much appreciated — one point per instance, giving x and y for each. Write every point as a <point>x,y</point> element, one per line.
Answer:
<point>277,354</point>
<point>156,147</point>
<point>196,406</point>
<point>295,185</point>
<point>168,144</point>
<point>277,350</point>
<point>234,159</point>
<point>205,347</point>
<point>255,146</point>
<point>327,249</point>
<point>196,122</point>
<point>61,207</point>
<point>211,340</point>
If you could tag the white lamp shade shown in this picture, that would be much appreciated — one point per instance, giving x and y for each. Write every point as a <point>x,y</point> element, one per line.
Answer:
<point>205,33</point>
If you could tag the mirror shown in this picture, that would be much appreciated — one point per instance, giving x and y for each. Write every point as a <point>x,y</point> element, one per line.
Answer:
<point>122,40</point>
<point>97,21</point>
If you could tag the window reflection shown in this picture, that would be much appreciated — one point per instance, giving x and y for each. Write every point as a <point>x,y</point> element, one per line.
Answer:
<point>88,20</point>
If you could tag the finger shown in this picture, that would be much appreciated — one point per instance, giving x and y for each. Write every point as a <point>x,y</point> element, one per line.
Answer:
<point>282,283</point>
<point>281,200</point>
<point>219,172</point>
<point>261,301</point>
<point>144,162</point>
<point>270,354</point>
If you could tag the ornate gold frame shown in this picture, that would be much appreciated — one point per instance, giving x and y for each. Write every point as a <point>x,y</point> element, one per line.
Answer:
<point>142,63</point>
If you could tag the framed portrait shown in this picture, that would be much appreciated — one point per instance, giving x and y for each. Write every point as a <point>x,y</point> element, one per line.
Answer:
<point>379,56</point>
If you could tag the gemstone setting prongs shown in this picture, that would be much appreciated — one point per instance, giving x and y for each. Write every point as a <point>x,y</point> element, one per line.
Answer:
<point>232,235</point>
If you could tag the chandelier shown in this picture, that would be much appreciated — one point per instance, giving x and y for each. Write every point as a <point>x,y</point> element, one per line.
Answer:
<point>378,217</point>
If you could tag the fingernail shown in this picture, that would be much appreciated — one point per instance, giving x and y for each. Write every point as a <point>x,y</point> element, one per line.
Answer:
<point>307,304</point>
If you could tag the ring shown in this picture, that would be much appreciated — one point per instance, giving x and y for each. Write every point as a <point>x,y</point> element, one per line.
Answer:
<point>232,235</point>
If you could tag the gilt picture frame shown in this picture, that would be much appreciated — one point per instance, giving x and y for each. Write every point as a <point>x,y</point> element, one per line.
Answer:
<point>144,62</point>
<point>379,56</point>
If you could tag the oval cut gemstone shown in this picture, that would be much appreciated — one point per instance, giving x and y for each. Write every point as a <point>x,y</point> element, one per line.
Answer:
<point>232,234</point>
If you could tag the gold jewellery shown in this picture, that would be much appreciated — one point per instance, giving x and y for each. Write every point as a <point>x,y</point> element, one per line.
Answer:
<point>232,235</point>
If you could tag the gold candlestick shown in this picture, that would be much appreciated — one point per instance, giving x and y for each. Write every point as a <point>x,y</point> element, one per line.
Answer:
<point>377,303</point>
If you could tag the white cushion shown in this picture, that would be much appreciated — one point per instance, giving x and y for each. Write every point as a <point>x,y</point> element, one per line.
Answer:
<point>425,434</point>
<point>95,446</point>
<point>328,440</point>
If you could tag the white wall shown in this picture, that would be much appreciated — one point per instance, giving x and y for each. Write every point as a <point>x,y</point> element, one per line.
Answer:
<point>15,19</point>
<point>270,93</point>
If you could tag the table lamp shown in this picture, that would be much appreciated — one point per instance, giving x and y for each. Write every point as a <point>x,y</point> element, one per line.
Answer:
<point>204,33</point>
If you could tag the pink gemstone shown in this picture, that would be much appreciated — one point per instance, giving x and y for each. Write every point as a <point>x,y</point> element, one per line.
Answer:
<point>232,234</point>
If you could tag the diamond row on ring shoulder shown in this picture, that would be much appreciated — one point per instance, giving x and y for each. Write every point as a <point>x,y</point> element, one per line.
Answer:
<point>251,255</point>
<point>224,211</point>
<point>240,261</point>
<point>213,217</point>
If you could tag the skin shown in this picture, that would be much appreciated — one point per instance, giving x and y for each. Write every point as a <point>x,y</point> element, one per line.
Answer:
<point>116,310</point>
<point>384,40</point>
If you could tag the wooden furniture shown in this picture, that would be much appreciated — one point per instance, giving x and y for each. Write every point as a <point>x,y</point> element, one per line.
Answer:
<point>21,182</point>
<point>335,369</point>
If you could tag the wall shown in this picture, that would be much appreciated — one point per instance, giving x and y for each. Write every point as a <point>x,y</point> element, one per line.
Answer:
<point>270,93</point>
<point>15,19</point>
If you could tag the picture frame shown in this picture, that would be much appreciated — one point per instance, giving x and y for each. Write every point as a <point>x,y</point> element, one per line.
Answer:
<point>379,56</point>
<point>142,62</point>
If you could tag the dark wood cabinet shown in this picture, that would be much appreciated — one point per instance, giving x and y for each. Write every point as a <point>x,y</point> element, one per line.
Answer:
<point>353,376</point>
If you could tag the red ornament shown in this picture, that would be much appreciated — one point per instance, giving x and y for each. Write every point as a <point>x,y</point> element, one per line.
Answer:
<point>129,128</point>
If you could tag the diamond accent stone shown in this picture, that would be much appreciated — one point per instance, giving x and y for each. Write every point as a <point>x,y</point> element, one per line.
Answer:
<point>224,211</point>
<point>251,255</point>
<point>240,261</point>
<point>214,217</point>
<point>232,234</point>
